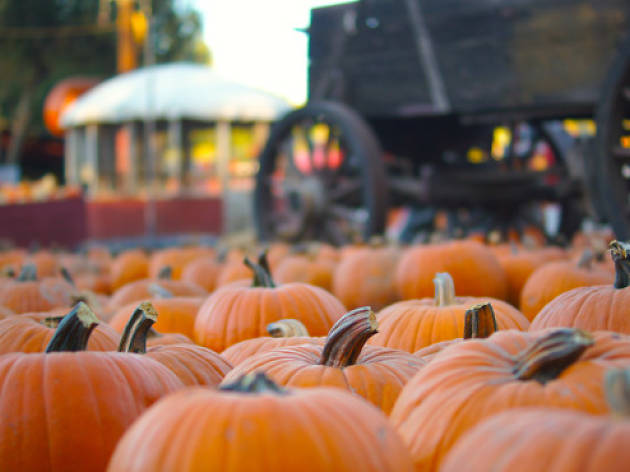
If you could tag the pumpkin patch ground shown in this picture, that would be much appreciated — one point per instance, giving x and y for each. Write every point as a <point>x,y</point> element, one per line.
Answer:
<point>173,366</point>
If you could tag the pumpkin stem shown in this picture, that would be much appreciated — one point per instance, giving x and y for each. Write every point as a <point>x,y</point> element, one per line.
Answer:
<point>586,259</point>
<point>620,253</point>
<point>444,289</point>
<point>52,321</point>
<point>480,321</point>
<point>134,336</point>
<point>73,332</point>
<point>28,273</point>
<point>165,273</point>
<point>254,383</point>
<point>348,336</point>
<point>65,273</point>
<point>617,390</point>
<point>551,354</point>
<point>262,274</point>
<point>286,328</point>
<point>157,291</point>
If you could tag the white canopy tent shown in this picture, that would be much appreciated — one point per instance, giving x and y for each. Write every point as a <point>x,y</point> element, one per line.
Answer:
<point>171,92</point>
<point>174,98</point>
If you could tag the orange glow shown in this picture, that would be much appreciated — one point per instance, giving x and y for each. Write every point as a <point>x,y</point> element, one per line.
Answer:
<point>61,97</point>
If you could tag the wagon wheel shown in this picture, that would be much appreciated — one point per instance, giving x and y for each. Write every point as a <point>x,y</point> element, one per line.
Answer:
<point>321,177</point>
<point>613,145</point>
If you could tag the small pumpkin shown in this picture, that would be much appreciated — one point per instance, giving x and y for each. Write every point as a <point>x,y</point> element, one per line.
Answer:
<point>139,290</point>
<point>27,293</point>
<point>413,324</point>
<point>300,268</point>
<point>176,259</point>
<point>469,381</point>
<point>366,277</point>
<point>193,365</point>
<point>177,314</point>
<point>564,440</point>
<point>65,409</point>
<point>129,266</point>
<point>598,307</point>
<point>474,268</point>
<point>254,425</point>
<point>283,333</point>
<point>33,332</point>
<point>236,312</point>
<point>203,272</point>
<point>375,373</point>
<point>555,278</point>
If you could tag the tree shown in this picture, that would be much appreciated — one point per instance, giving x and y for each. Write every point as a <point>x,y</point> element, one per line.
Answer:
<point>44,41</point>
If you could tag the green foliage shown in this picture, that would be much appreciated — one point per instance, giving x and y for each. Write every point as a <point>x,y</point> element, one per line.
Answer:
<point>44,41</point>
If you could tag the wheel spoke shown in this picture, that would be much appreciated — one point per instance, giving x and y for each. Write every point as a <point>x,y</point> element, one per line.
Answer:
<point>344,190</point>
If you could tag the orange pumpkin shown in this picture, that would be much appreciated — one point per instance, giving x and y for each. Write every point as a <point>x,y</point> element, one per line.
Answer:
<point>155,338</point>
<point>203,272</point>
<point>256,426</point>
<point>177,314</point>
<point>599,307</point>
<point>129,266</point>
<point>193,365</point>
<point>414,324</point>
<point>33,332</point>
<point>518,266</point>
<point>475,269</point>
<point>234,313</point>
<point>299,268</point>
<point>377,374</point>
<point>65,411</point>
<point>555,278</point>
<point>284,333</point>
<point>469,381</point>
<point>45,262</point>
<point>564,440</point>
<point>480,322</point>
<point>176,259</point>
<point>26,293</point>
<point>232,271</point>
<point>366,277</point>
<point>145,289</point>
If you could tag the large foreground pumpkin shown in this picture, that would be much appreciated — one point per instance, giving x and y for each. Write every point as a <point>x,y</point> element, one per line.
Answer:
<point>413,324</point>
<point>469,381</point>
<point>564,441</point>
<point>234,313</point>
<point>599,307</point>
<point>253,425</point>
<point>65,411</point>
<point>475,269</point>
<point>375,373</point>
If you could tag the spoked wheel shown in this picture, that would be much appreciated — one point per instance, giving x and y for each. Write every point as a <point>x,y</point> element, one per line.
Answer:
<point>613,146</point>
<point>321,177</point>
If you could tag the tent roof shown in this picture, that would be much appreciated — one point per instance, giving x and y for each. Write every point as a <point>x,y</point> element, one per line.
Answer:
<point>172,91</point>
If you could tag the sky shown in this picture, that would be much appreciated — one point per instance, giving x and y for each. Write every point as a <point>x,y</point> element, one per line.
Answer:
<point>255,42</point>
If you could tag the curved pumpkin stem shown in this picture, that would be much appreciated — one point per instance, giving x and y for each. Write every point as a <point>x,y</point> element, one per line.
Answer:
<point>74,330</point>
<point>479,321</point>
<point>617,390</point>
<point>254,383</point>
<point>262,274</point>
<point>28,273</point>
<point>65,274</point>
<point>620,253</point>
<point>348,336</point>
<point>444,289</point>
<point>551,354</point>
<point>134,336</point>
<point>286,328</point>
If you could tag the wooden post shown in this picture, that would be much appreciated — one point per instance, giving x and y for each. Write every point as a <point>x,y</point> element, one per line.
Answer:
<point>71,156</point>
<point>223,170</point>
<point>175,143</point>
<point>89,169</point>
